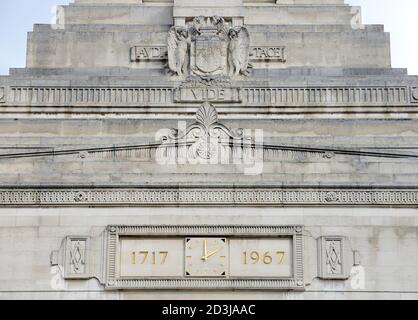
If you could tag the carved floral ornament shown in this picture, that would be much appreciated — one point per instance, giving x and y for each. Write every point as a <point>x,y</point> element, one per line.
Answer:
<point>206,138</point>
<point>208,47</point>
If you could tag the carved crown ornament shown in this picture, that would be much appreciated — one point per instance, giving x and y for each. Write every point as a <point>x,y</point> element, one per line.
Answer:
<point>209,47</point>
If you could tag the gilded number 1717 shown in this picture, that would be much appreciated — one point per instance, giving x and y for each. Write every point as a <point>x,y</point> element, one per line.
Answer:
<point>152,257</point>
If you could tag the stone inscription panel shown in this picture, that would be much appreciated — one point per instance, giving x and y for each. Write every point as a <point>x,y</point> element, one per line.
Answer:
<point>207,257</point>
<point>151,257</point>
<point>261,257</point>
<point>212,94</point>
<point>194,257</point>
<point>257,53</point>
<point>266,53</point>
<point>148,53</point>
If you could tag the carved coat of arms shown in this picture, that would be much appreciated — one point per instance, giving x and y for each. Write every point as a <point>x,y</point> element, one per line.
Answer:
<point>208,47</point>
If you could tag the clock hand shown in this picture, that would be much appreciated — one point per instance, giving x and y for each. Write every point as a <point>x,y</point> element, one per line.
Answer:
<point>205,251</point>
<point>212,253</point>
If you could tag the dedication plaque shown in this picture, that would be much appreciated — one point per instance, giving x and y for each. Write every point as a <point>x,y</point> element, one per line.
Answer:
<point>204,257</point>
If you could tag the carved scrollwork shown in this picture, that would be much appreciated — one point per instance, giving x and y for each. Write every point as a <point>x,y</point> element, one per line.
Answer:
<point>205,138</point>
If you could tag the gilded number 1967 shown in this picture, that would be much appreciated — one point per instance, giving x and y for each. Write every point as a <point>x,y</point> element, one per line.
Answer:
<point>254,257</point>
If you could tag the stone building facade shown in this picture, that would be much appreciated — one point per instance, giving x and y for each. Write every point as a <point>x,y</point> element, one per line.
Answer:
<point>208,149</point>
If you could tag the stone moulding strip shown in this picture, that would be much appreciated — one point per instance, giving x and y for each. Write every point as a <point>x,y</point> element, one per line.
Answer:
<point>114,282</point>
<point>206,196</point>
<point>50,96</point>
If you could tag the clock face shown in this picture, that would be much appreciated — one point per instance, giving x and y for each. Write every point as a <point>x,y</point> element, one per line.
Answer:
<point>206,257</point>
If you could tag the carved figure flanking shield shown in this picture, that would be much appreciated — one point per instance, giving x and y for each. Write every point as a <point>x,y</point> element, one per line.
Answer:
<point>238,51</point>
<point>178,50</point>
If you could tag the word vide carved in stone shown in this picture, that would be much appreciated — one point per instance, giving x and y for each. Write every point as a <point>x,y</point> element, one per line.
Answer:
<point>275,96</point>
<point>147,53</point>
<point>265,53</point>
<point>202,94</point>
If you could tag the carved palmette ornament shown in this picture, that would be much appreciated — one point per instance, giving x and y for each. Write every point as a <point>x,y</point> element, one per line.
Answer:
<point>206,139</point>
<point>208,47</point>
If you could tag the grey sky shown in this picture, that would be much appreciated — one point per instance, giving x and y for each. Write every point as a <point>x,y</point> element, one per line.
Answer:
<point>398,16</point>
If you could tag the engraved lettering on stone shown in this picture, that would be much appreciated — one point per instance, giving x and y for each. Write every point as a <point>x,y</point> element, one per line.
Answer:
<point>119,257</point>
<point>265,53</point>
<point>277,96</point>
<point>77,256</point>
<point>202,94</point>
<point>256,53</point>
<point>147,53</point>
<point>333,257</point>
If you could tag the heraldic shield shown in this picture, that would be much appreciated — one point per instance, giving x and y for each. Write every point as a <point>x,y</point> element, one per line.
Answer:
<point>209,55</point>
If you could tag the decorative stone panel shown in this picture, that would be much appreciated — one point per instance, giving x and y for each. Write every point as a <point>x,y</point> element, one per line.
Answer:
<point>76,257</point>
<point>334,258</point>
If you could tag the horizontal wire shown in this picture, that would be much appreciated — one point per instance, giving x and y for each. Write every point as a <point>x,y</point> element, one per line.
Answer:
<point>340,151</point>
